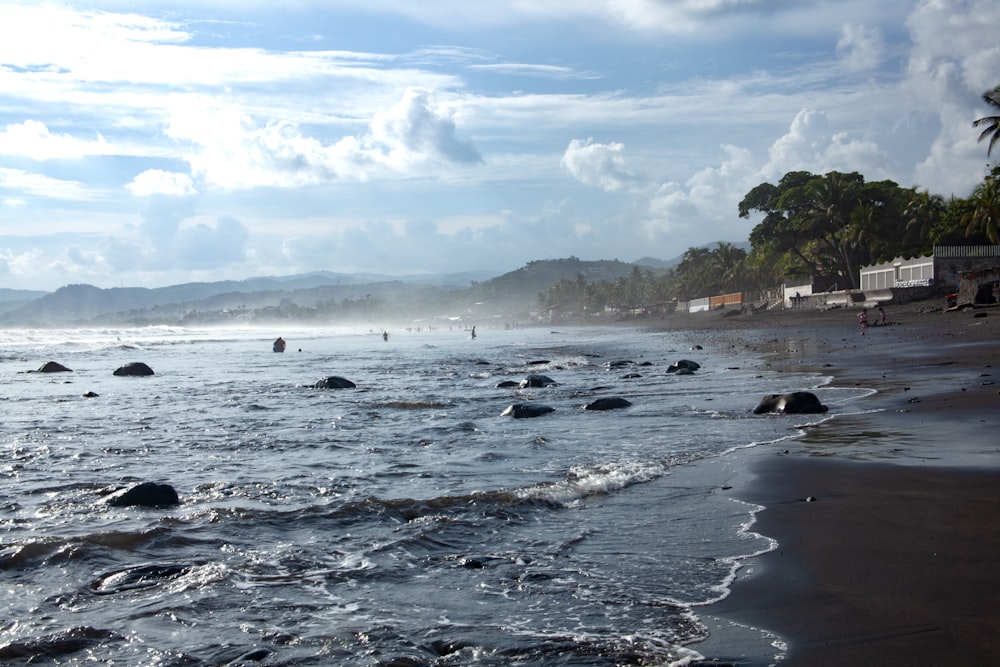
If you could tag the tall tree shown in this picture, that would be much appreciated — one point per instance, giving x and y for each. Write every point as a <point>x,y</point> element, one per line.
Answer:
<point>985,213</point>
<point>728,262</point>
<point>991,123</point>
<point>833,200</point>
<point>782,230</point>
<point>922,213</point>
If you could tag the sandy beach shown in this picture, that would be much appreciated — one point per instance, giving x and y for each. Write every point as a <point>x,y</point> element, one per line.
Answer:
<point>887,522</point>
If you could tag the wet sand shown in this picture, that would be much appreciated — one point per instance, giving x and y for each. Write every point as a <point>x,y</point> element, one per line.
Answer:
<point>888,522</point>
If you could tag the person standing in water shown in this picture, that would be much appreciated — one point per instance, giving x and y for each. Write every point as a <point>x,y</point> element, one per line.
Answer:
<point>863,320</point>
<point>473,333</point>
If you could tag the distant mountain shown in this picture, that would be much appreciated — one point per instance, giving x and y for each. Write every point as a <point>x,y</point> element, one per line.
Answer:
<point>8,295</point>
<point>320,297</point>
<point>12,299</point>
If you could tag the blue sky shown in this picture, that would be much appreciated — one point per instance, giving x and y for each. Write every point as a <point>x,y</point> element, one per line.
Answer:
<point>152,143</point>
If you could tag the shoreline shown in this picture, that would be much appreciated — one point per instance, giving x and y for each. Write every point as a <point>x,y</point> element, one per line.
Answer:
<point>894,558</point>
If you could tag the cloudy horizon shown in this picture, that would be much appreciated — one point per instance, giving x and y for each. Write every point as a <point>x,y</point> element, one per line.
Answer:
<point>211,140</point>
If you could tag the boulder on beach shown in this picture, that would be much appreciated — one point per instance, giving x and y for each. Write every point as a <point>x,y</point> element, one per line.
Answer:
<point>795,402</point>
<point>134,369</point>
<point>684,367</point>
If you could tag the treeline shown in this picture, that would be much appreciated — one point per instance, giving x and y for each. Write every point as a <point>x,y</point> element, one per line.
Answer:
<point>823,226</point>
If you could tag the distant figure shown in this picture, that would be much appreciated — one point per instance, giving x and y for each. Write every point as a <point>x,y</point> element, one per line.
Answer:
<point>279,345</point>
<point>385,336</point>
<point>863,320</point>
<point>881,316</point>
<point>473,333</point>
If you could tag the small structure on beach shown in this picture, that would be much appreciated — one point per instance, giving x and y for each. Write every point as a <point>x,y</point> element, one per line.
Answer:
<point>979,288</point>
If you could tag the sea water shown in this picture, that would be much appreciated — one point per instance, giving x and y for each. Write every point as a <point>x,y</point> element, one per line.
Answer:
<point>401,522</point>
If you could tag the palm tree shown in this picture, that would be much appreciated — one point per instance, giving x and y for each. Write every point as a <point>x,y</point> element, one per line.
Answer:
<point>985,211</point>
<point>922,212</point>
<point>727,258</point>
<point>992,123</point>
<point>833,199</point>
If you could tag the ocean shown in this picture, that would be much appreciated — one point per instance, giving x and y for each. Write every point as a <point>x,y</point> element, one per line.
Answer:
<point>401,522</point>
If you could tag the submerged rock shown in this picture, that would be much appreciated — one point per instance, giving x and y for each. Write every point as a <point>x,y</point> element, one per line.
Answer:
<point>334,382</point>
<point>537,381</point>
<point>53,367</point>
<point>526,410</point>
<point>608,403</point>
<point>147,494</point>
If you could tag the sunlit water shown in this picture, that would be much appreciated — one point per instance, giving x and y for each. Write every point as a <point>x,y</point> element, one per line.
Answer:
<point>403,522</point>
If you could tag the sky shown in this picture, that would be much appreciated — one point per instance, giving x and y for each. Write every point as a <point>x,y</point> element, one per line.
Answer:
<point>155,143</point>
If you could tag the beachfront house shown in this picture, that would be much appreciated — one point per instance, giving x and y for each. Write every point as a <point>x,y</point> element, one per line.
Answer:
<point>899,280</point>
<point>945,267</point>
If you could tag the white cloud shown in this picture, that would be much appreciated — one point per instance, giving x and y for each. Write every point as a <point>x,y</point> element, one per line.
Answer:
<point>954,59</point>
<point>599,165</point>
<point>33,139</point>
<point>159,182</point>
<point>232,151</point>
<point>954,44</point>
<point>860,48</point>
<point>707,200</point>
<point>416,131</point>
<point>39,185</point>
<point>811,145</point>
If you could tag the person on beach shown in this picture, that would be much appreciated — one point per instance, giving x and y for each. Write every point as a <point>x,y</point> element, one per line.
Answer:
<point>863,320</point>
<point>881,316</point>
<point>473,333</point>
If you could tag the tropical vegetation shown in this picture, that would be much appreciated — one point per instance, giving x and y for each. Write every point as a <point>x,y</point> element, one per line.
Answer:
<point>818,226</point>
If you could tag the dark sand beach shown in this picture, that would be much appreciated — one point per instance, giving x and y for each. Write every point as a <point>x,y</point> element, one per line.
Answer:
<point>887,522</point>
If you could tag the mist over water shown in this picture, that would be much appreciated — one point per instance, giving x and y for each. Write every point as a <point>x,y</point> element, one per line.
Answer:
<point>402,522</point>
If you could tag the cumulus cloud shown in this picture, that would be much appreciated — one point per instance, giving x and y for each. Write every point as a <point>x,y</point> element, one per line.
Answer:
<point>231,150</point>
<point>954,45</point>
<point>159,182</point>
<point>598,165</point>
<point>708,199</point>
<point>414,130</point>
<point>860,48</point>
<point>33,139</point>
<point>954,59</point>
<point>811,145</point>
